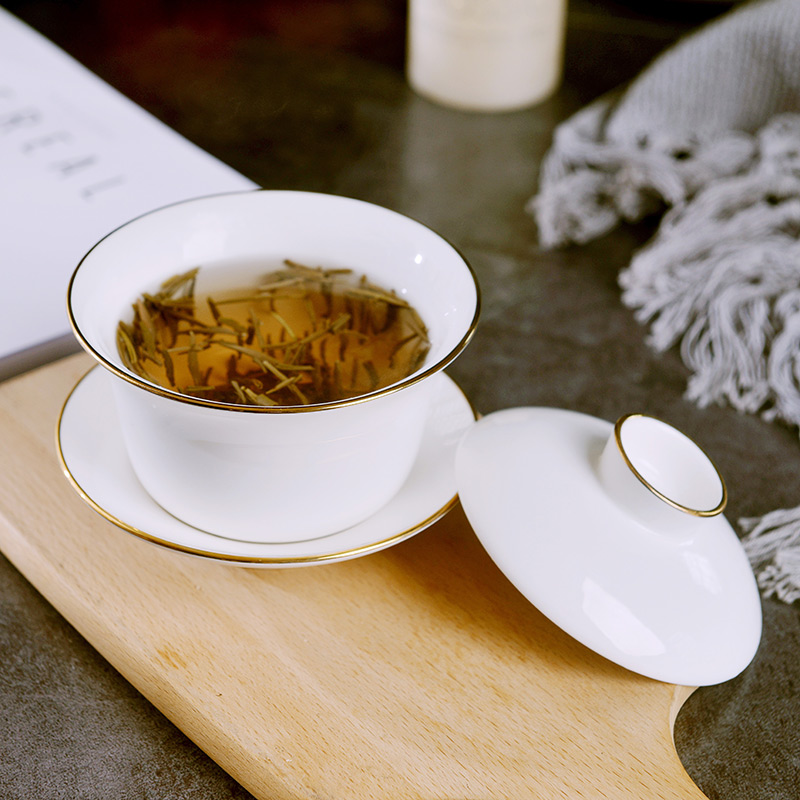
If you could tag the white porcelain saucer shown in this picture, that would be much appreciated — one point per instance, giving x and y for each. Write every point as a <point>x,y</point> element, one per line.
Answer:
<point>683,611</point>
<point>95,462</point>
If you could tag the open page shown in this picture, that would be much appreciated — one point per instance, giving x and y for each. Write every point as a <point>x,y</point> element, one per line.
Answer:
<point>77,159</point>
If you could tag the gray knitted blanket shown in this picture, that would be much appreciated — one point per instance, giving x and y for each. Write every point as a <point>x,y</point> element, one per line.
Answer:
<point>709,135</point>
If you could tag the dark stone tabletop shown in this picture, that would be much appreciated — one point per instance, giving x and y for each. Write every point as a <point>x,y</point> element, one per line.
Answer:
<point>311,95</point>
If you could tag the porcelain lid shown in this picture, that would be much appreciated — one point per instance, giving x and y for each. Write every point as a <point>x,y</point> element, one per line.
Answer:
<point>676,604</point>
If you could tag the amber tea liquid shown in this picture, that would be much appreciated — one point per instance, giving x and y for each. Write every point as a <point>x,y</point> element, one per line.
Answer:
<point>299,336</point>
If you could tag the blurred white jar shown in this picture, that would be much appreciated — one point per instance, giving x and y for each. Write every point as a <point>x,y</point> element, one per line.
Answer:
<point>485,55</point>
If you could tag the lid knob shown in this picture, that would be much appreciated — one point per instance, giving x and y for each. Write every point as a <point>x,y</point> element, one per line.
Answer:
<point>660,476</point>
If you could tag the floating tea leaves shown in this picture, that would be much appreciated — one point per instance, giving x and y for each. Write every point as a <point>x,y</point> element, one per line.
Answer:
<point>301,335</point>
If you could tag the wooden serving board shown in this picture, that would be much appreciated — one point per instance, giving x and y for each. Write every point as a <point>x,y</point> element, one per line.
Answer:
<point>415,672</point>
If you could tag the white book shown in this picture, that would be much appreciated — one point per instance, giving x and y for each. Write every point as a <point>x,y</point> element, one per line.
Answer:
<point>77,159</point>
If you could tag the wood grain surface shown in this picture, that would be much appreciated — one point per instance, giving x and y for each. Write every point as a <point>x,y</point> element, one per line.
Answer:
<point>416,672</point>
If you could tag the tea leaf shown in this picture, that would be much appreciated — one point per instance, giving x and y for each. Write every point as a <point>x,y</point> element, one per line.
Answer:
<point>229,322</point>
<point>253,297</point>
<point>210,331</point>
<point>258,399</point>
<point>192,361</point>
<point>147,328</point>
<point>184,281</point>
<point>263,360</point>
<point>282,284</point>
<point>374,378</point>
<point>377,294</point>
<point>340,322</point>
<point>125,346</point>
<point>399,345</point>
<point>312,315</point>
<point>287,327</point>
<point>256,323</point>
<point>300,396</point>
<point>311,272</point>
<point>283,384</point>
<point>239,391</point>
<point>416,324</point>
<point>169,366</point>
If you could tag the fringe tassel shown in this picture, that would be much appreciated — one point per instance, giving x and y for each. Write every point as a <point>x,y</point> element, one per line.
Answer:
<point>588,186</point>
<point>772,544</point>
<point>721,278</point>
<point>725,285</point>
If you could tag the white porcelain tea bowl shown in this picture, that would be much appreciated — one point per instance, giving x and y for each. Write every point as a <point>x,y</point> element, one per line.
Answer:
<point>660,476</point>
<point>272,473</point>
